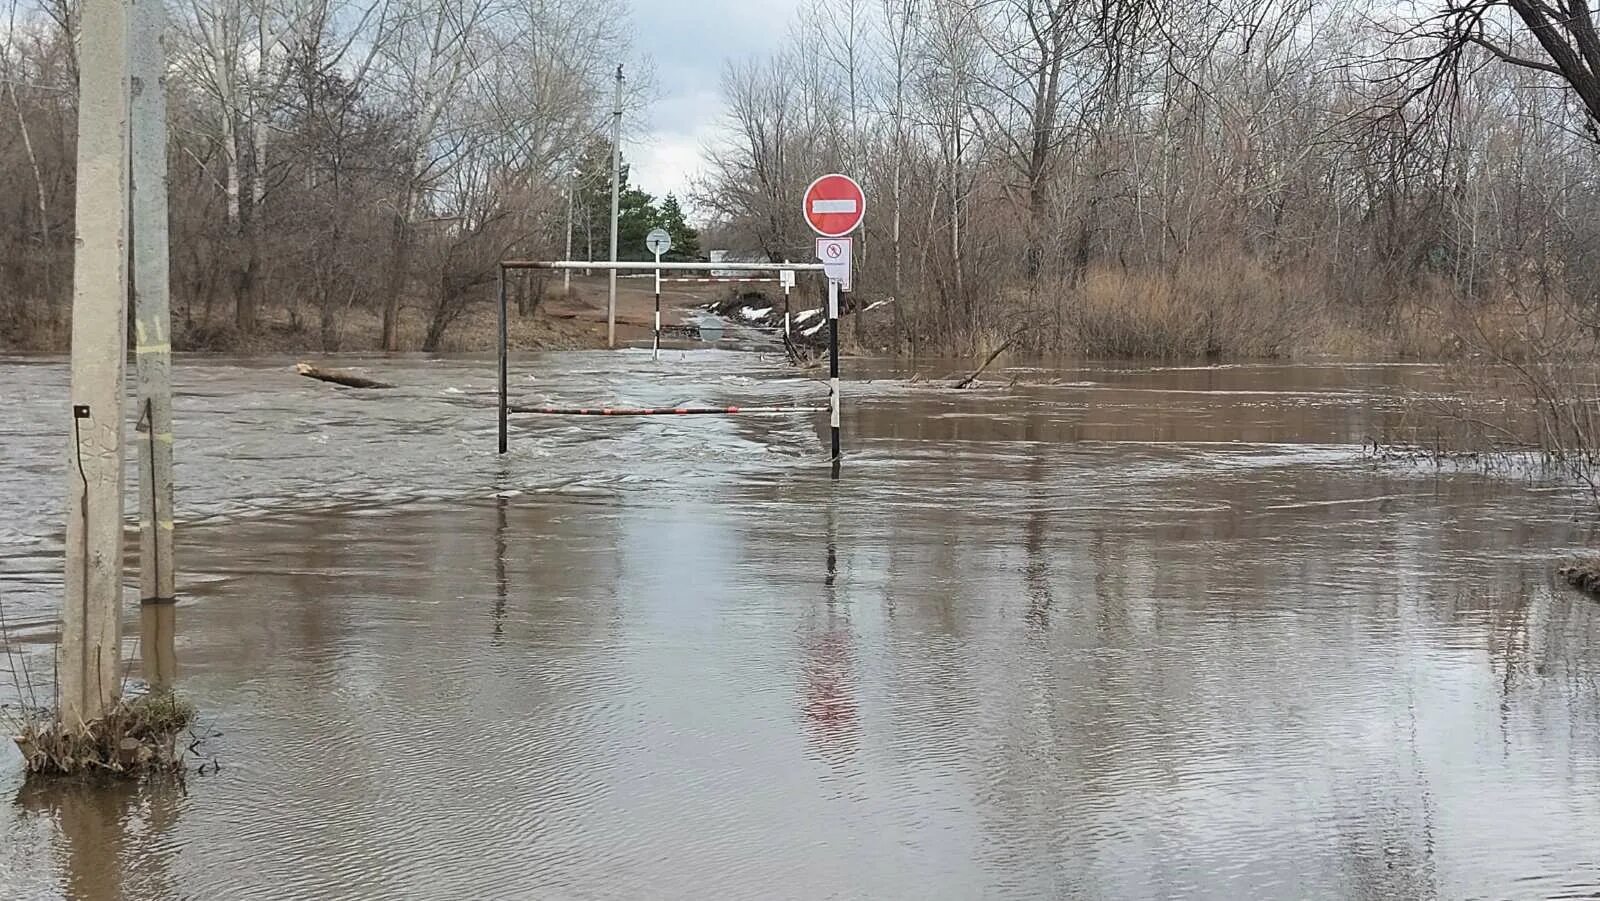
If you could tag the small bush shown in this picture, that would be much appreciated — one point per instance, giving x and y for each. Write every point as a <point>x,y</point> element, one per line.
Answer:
<point>136,737</point>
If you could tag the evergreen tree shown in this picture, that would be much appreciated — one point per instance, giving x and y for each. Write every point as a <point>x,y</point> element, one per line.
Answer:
<point>685,239</point>
<point>637,214</point>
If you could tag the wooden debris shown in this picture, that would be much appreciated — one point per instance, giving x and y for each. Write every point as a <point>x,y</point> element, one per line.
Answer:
<point>973,377</point>
<point>338,377</point>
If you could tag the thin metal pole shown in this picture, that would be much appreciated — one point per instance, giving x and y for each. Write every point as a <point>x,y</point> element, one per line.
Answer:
<point>566,276</point>
<point>655,346</point>
<point>616,189</point>
<point>91,633</point>
<point>833,367</point>
<point>503,341</point>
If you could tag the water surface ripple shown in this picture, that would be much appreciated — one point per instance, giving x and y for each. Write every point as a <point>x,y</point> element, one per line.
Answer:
<point>1135,633</point>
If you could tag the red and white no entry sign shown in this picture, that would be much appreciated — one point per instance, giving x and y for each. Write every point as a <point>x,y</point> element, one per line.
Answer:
<point>834,205</point>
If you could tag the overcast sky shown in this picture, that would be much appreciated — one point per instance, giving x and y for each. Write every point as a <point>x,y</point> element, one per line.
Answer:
<point>690,41</point>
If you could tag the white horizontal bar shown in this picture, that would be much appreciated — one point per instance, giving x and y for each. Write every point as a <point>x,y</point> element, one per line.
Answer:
<point>646,266</point>
<point>833,206</point>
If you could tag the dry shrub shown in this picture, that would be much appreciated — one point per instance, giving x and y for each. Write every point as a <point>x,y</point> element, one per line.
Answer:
<point>1524,394</point>
<point>136,737</point>
<point>1233,309</point>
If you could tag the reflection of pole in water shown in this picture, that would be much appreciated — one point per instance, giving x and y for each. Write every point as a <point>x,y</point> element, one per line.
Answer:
<point>829,707</point>
<point>499,563</point>
<point>104,830</point>
<point>158,643</point>
<point>1036,569</point>
<point>833,558</point>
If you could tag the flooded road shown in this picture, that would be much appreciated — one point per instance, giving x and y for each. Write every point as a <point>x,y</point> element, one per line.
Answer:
<point>1142,633</point>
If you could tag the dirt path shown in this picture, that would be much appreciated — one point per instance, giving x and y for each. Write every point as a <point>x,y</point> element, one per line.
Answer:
<point>635,303</point>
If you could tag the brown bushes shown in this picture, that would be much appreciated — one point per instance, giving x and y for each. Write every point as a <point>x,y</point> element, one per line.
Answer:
<point>1214,310</point>
<point>136,737</point>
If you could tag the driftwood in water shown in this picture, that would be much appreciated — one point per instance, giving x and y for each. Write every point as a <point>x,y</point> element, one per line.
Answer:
<point>1583,575</point>
<point>973,377</point>
<point>338,377</point>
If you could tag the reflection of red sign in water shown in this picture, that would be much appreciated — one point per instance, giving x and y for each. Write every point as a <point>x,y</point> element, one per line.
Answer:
<point>829,707</point>
<point>834,205</point>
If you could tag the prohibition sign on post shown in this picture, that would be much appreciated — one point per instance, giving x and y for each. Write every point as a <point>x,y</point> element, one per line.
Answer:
<point>835,254</point>
<point>834,205</point>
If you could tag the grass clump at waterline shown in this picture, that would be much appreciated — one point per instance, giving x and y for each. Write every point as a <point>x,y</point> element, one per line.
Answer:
<point>137,737</point>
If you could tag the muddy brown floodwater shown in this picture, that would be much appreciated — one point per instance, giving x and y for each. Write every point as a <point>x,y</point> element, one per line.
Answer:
<point>1145,633</point>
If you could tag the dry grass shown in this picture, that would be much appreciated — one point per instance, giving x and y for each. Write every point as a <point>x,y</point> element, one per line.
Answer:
<point>137,737</point>
<point>287,331</point>
<point>1234,310</point>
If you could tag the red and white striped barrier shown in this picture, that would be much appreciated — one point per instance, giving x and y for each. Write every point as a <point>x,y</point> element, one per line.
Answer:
<point>718,280</point>
<point>662,411</point>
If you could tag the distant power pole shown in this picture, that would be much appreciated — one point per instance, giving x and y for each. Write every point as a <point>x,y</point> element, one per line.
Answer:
<point>91,635</point>
<point>616,190</point>
<point>572,188</point>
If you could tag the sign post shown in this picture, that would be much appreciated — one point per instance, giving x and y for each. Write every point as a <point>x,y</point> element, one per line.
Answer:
<point>833,206</point>
<point>658,242</point>
<point>786,278</point>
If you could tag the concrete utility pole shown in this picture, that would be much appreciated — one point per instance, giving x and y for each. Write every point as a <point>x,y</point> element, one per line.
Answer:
<point>616,190</point>
<point>91,606</point>
<point>152,333</point>
<point>572,187</point>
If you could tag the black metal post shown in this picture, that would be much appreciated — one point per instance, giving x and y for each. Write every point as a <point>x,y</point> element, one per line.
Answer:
<point>504,340</point>
<point>833,367</point>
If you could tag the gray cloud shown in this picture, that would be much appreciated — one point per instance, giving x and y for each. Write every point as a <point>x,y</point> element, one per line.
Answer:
<point>690,42</point>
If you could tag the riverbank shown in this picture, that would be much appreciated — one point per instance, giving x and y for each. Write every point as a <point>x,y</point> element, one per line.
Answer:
<point>558,321</point>
<point>1201,315</point>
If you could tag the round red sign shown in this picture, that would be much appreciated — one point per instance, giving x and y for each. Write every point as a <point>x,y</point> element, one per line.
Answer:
<point>834,205</point>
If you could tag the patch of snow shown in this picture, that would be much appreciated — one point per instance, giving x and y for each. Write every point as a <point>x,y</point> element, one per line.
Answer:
<point>812,330</point>
<point>751,314</point>
<point>803,315</point>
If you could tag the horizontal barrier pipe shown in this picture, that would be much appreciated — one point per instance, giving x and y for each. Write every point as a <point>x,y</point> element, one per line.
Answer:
<point>663,411</point>
<point>647,266</point>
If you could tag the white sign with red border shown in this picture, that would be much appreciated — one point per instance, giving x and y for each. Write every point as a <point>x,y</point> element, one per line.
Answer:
<point>834,205</point>
<point>835,254</point>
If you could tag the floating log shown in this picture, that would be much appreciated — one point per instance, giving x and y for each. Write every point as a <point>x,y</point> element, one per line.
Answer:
<point>338,377</point>
<point>973,377</point>
<point>1583,575</point>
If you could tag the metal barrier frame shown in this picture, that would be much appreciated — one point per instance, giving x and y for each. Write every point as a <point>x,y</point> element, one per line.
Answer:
<point>658,268</point>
